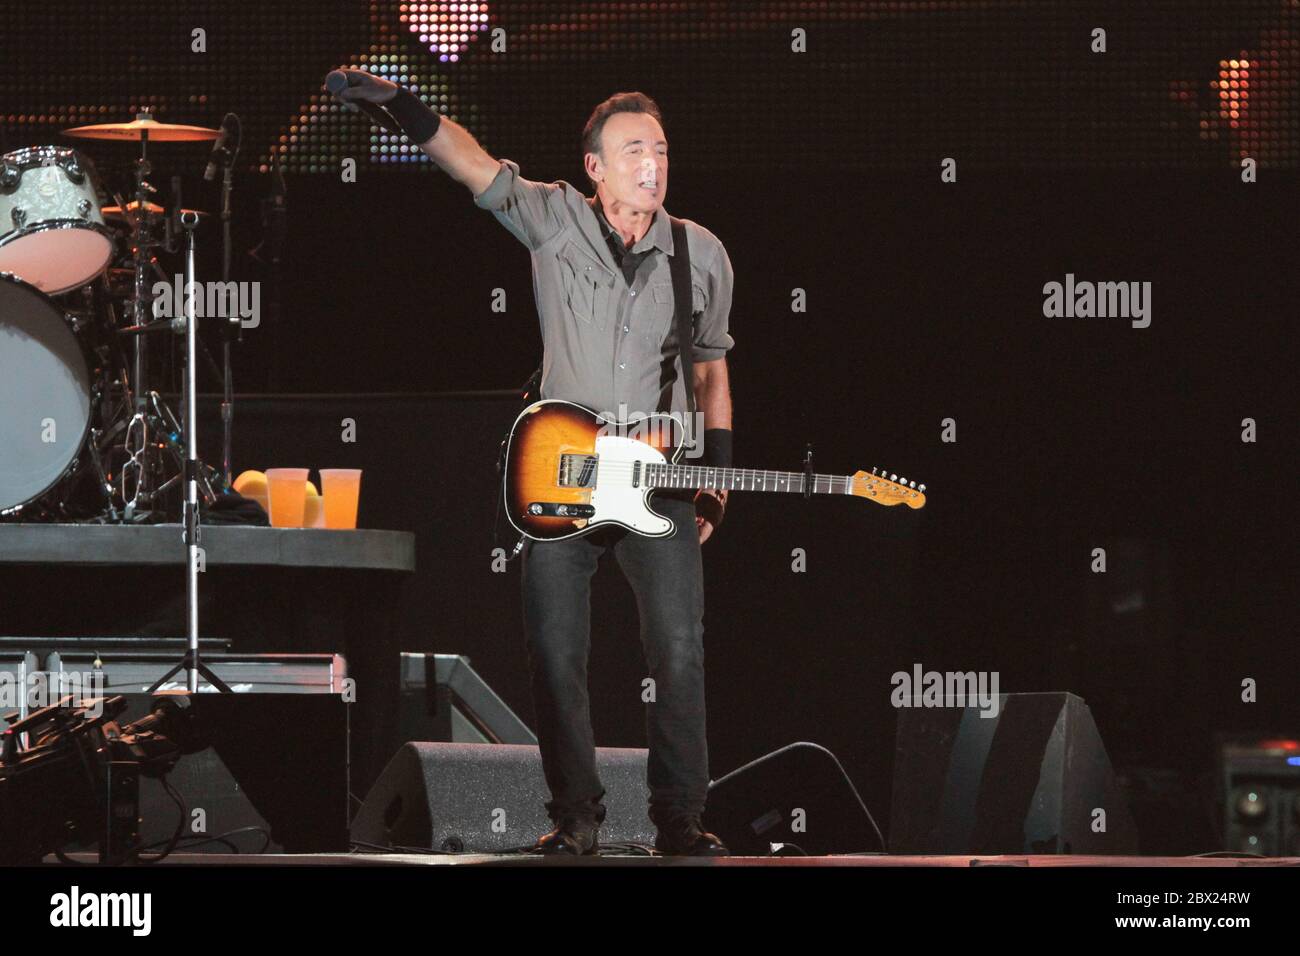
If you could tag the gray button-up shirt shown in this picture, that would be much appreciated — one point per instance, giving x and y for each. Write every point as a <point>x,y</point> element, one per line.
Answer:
<point>609,345</point>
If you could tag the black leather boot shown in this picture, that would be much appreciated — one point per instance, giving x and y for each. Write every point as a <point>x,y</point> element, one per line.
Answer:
<point>684,836</point>
<point>572,836</point>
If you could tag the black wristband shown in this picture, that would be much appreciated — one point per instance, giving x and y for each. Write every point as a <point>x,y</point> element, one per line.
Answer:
<point>717,447</point>
<point>418,122</point>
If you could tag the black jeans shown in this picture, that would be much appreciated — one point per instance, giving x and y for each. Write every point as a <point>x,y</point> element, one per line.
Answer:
<point>667,578</point>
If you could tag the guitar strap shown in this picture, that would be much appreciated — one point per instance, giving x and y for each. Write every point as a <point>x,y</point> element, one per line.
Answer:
<point>680,269</point>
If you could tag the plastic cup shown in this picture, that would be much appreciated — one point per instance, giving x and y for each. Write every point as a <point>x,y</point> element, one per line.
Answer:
<point>314,515</point>
<point>286,492</point>
<point>341,489</point>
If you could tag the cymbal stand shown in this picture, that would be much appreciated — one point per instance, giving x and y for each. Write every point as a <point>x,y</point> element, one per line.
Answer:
<point>141,453</point>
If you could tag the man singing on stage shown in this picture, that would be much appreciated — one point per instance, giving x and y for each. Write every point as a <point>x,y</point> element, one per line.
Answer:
<point>601,274</point>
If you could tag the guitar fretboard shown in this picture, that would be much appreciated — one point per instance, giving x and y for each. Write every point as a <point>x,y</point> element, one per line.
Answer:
<point>743,479</point>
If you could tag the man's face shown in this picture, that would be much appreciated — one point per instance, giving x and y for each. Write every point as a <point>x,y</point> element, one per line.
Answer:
<point>633,162</point>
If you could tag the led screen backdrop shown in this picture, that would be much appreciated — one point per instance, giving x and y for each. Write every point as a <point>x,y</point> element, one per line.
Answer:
<point>997,82</point>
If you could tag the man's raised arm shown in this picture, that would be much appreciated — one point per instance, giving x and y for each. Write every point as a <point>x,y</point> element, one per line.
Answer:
<point>445,141</point>
<point>532,211</point>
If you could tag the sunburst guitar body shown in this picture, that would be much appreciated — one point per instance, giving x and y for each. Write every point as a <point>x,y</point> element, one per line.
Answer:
<point>569,471</point>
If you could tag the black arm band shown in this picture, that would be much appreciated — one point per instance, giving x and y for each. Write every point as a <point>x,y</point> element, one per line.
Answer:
<point>717,447</point>
<point>418,122</point>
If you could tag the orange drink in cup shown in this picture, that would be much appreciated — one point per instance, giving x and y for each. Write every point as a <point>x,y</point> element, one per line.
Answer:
<point>341,489</point>
<point>314,515</point>
<point>286,492</point>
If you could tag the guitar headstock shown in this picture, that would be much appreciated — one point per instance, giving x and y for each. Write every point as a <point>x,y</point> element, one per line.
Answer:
<point>888,489</point>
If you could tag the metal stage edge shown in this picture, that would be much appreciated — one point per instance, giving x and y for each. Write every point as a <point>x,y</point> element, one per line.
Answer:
<point>871,860</point>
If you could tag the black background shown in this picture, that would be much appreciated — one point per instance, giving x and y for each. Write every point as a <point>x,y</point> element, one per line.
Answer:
<point>818,171</point>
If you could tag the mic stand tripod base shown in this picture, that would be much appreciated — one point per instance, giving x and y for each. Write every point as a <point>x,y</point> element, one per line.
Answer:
<point>189,663</point>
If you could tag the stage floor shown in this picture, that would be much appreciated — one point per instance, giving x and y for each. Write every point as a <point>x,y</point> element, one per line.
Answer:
<point>643,860</point>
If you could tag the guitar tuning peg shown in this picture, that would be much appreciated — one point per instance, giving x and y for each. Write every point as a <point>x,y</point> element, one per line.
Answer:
<point>893,477</point>
<point>873,471</point>
<point>902,481</point>
<point>921,488</point>
<point>914,484</point>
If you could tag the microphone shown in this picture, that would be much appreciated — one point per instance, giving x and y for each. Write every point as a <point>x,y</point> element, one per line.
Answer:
<point>226,146</point>
<point>336,81</point>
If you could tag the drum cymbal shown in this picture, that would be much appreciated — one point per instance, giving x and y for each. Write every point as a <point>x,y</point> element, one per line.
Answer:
<point>142,125</point>
<point>152,208</point>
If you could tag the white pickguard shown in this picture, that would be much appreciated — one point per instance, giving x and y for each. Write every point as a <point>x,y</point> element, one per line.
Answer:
<point>614,498</point>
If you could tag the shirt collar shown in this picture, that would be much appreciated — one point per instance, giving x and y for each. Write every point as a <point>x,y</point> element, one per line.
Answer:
<point>660,233</point>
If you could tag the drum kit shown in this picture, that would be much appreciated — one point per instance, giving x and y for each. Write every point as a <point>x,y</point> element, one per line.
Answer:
<point>84,434</point>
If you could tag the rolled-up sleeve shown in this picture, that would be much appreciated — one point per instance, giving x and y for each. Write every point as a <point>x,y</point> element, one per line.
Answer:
<point>530,210</point>
<point>712,336</point>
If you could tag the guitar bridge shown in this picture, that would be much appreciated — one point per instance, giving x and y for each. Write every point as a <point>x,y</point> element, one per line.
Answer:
<point>577,471</point>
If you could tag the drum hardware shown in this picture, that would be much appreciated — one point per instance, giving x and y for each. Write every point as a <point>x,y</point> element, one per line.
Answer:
<point>101,476</point>
<point>168,438</point>
<point>117,437</point>
<point>150,414</point>
<point>139,447</point>
<point>128,211</point>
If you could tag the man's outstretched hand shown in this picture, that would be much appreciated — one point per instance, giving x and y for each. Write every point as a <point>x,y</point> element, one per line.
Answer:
<point>362,86</point>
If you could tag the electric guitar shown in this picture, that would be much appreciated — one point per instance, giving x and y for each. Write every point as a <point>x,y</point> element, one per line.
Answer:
<point>569,470</point>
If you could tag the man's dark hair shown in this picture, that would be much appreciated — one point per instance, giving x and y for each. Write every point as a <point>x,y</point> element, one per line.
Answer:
<point>618,103</point>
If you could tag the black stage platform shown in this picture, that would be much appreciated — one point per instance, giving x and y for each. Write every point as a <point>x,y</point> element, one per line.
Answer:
<point>264,591</point>
<point>161,544</point>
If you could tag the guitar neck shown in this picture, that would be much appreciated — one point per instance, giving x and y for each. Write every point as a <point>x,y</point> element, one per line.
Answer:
<point>669,475</point>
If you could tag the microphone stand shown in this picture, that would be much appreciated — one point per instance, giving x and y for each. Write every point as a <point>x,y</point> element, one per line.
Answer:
<point>191,663</point>
<point>228,327</point>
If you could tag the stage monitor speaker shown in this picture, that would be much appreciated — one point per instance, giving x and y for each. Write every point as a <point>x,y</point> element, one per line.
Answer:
<point>279,758</point>
<point>277,762</point>
<point>445,699</point>
<point>1032,778</point>
<point>489,798</point>
<point>798,795</point>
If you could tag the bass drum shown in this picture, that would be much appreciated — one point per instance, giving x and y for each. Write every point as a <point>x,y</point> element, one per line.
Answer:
<point>45,395</point>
